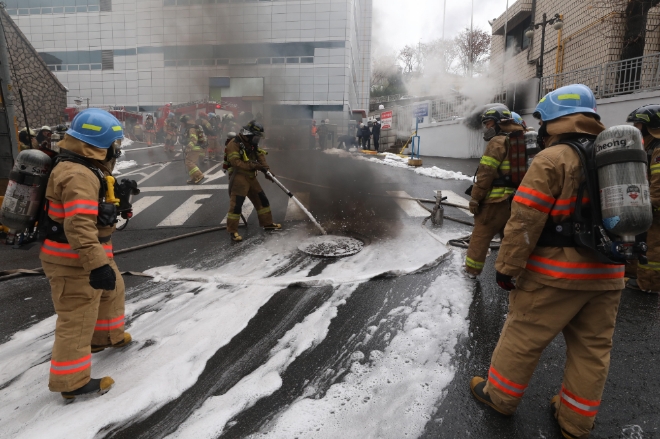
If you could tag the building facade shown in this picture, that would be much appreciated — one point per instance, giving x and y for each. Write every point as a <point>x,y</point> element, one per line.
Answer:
<point>284,59</point>
<point>593,35</point>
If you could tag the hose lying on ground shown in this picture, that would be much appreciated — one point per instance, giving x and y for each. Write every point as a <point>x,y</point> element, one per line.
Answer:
<point>464,242</point>
<point>13,274</point>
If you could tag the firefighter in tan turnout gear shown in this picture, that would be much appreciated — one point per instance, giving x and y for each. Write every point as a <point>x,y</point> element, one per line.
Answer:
<point>559,287</point>
<point>87,289</point>
<point>244,159</point>
<point>492,187</point>
<point>193,141</point>
<point>647,120</point>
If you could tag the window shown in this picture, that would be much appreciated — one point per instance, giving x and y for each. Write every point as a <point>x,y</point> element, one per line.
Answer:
<point>516,39</point>
<point>307,60</point>
<point>293,60</point>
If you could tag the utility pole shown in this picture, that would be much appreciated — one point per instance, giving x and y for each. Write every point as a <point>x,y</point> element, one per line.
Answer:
<point>444,19</point>
<point>470,42</point>
<point>8,139</point>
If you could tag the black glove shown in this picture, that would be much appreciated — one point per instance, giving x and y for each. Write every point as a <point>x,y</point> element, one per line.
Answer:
<point>505,282</point>
<point>103,278</point>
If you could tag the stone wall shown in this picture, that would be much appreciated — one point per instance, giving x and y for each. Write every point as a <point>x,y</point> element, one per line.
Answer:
<point>44,95</point>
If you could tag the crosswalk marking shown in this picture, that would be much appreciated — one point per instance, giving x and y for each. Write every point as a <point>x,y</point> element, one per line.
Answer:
<point>183,188</point>
<point>412,208</point>
<point>293,212</point>
<point>454,198</point>
<point>183,212</point>
<point>248,207</point>
<point>143,203</point>
<point>216,176</point>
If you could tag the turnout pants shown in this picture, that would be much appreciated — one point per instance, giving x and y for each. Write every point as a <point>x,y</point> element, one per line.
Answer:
<point>85,317</point>
<point>241,186</point>
<point>648,276</point>
<point>192,158</point>
<point>150,136</point>
<point>488,223</point>
<point>213,148</point>
<point>170,140</point>
<point>537,313</point>
<point>376,143</point>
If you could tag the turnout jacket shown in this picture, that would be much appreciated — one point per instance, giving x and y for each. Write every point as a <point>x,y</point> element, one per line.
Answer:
<point>73,200</point>
<point>494,164</point>
<point>654,170</point>
<point>243,158</point>
<point>549,190</point>
<point>193,137</point>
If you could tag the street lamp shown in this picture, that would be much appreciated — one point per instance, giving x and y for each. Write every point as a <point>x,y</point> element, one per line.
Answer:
<point>557,23</point>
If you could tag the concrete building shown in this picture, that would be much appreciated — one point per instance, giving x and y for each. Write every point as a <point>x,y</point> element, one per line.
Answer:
<point>593,35</point>
<point>286,59</point>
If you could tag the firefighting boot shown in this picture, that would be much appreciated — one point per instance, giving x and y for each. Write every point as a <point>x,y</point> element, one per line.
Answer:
<point>95,386</point>
<point>273,226</point>
<point>127,339</point>
<point>199,180</point>
<point>235,237</point>
<point>477,385</point>
<point>554,406</point>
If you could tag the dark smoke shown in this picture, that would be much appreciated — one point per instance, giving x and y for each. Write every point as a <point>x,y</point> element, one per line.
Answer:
<point>473,120</point>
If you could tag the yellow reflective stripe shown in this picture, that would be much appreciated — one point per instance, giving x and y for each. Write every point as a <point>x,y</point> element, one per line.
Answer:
<point>193,136</point>
<point>498,192</point>
<point>245,157</point>
<point>91,127</point>
<point>643,117</point>
<point>542,99</point>
<point>234,216</point>
<point>116,128</point>
<point>653,266</point>
<point>264,210</point>
<point>569,96</point>
<point>655,169</point>
<point>232,155</point>
<point>193,170</point>
<point>474,264</point>
<point>489,161</point>
<point>506,165</point>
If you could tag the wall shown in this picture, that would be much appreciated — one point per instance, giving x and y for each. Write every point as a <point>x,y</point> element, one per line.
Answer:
<point>45,97</point>
<point>450,139</point>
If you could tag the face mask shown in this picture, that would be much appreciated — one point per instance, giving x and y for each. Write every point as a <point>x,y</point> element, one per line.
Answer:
<point>255,140</point>
<point>489,133</point>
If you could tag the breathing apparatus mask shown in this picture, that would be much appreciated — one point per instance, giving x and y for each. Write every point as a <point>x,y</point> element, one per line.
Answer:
<point>491,132</point>
<point>114,152</point>
<point>543,133</point>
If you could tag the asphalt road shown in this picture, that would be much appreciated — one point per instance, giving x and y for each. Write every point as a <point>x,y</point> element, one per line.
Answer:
<point>348,196</point>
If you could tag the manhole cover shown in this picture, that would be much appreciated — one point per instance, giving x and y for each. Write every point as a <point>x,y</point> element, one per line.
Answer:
<point>331,246</point>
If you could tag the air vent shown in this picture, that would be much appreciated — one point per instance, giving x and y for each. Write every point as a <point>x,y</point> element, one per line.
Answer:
<point>106,5</point>
<point>107,60</point>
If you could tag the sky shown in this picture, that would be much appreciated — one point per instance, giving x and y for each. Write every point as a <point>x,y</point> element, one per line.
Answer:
<point>400,22</point>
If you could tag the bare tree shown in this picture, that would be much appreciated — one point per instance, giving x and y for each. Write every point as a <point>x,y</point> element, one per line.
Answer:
<point>440,55</point>
<point>473,50</point>
<point>408,57</point>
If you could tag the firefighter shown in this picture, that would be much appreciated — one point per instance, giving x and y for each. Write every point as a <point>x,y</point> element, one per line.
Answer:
<point>375,133</point>
<point>647,120</point>
<point>228,124</point>
<point>192,139</point>
<point>313,134</point>
<point>24,140</point>
<point>558,287</point>
<point>170,132</point>
<point>245,159</point>
<point>209,133</point>
<point>490,193</point>
<point>87,288</point>
<point>150,129</point>
<point>214,144</point>
<point>323,134</point>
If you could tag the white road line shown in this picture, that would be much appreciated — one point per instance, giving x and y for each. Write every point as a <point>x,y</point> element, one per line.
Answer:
<point>185,211</point>
<point>140,149</point>
<point>216,176</point>
<point>412,208</point>
<point>248,207</point>
<point>183,188</point>
<point>177,154</point>
<point>153,173</point>
<point>454,198</point>
<point>143,203</point>
<point>293,212</point>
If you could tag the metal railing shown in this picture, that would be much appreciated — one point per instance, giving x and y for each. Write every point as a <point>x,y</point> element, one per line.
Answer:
<point>611,79</point>
<point>390,98</point>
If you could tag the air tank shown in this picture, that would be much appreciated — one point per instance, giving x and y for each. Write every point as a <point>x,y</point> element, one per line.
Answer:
<point>625,200</point>
<point>25,191</point>
<point>532,146</point>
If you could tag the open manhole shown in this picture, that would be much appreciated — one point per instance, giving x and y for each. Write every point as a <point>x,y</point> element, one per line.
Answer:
<point>331,246</point>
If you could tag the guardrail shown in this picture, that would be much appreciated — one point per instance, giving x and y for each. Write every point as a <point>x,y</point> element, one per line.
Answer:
<point>390,98</point>
<point>611,79</point>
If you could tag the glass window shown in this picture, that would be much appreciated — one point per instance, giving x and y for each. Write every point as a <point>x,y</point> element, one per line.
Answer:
<point>307,60</point>
<point>72,67</point>
<point>223,61</point>
<point>96,66</point>
<point>92,8</point>
<point>196,62</point>
<point>278,60</point>
<point>84,66</point>
<point>195,2</point>
<point>23,12</point>
<point>81,8</point>
<point>263,61</point>
<point>169,2</point>
<point>183,63</point>
<point>209,62</point>
<point>183,2</point>
<point>293,60</point>
<point>58,10</point>
<point>11,4</point>
<point>46,10</point>
<point>12,11</point>
<point>35,11</point>
<point>170,63</point>
<point>52,68</point>
<point>70,10</point>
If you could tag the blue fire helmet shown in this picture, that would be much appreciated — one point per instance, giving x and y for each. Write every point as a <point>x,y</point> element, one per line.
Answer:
<point>517,118</point>
<point>96,127</point>
<point>211,115</point>
<point>571,99</point>
<point>170,115</point>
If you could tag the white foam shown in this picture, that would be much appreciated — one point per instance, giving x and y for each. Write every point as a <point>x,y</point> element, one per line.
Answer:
<point>126,142</point>
<point>125,164</point>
